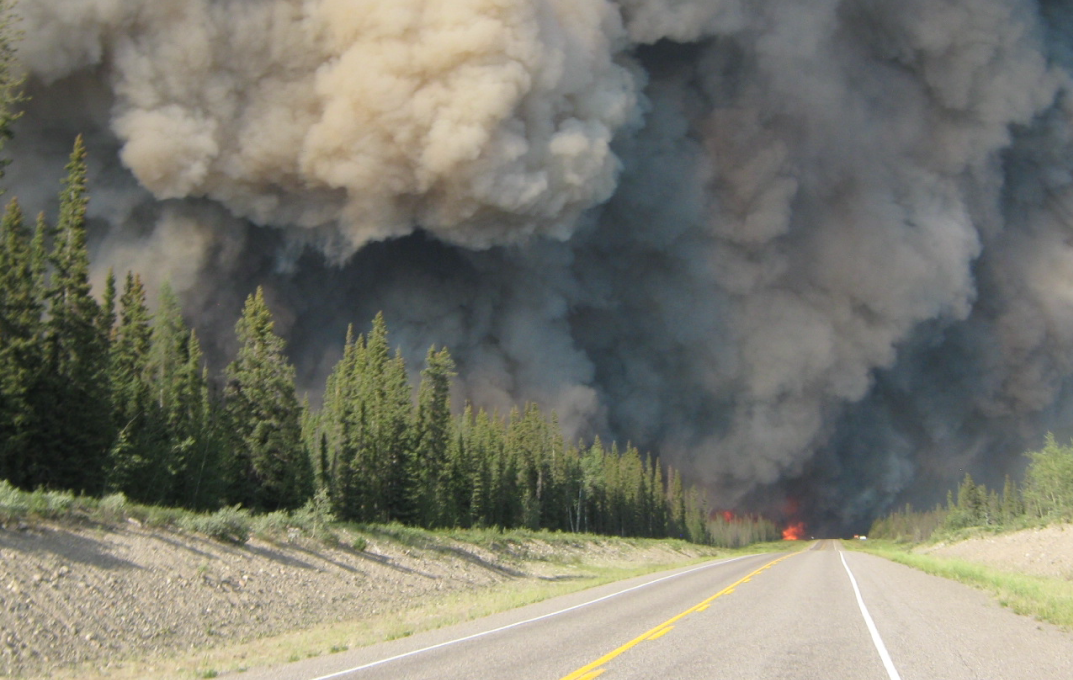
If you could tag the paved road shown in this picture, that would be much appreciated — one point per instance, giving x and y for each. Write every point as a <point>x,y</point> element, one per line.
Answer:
<point>821,613</point>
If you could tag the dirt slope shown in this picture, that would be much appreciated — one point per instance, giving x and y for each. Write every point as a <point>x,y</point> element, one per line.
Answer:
<point>1046,552</point>
<point>72,594</point>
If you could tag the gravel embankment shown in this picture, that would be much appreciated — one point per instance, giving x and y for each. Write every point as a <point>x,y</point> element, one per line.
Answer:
<point>71,594</point>
<point>1046,552</point>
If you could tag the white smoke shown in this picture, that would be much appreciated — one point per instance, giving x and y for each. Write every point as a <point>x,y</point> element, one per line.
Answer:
<point>807,246</point>
<point>484,121</point>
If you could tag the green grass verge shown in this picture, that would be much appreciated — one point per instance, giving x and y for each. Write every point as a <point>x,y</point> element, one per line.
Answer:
<point>1046,599</point>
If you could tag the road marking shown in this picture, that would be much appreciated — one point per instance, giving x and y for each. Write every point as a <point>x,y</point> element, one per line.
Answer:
<point>660,633</point>
<point>665,627</point>
<point>876,640</point>
<point>381,662</point>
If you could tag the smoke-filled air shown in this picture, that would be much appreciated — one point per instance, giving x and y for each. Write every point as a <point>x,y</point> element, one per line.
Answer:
<point>816,254</point>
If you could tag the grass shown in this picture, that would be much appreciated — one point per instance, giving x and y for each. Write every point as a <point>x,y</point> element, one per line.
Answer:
<point>229,524</point>
<point>563,552</point>
<point>1043,598</point>
<point>428,614</point>
<point>333,638</point>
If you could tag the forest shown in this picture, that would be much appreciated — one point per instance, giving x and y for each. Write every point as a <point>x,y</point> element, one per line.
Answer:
<point>102,397</point>
<point>106,396</point>
<point>1045,496</point>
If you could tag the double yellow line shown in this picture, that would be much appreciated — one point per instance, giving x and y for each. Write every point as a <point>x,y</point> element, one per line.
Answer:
<point>595,668</point>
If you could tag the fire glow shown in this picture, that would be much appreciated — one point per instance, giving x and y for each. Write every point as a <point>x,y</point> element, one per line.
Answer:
<point>794,532</point>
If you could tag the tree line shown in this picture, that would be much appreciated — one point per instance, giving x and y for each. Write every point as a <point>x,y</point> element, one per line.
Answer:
<point>1045,495</point>
<point>107,396</point>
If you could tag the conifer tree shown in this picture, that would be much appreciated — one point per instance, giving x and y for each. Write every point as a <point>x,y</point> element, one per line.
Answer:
<point>139,464</point>
<point>20,328</point>
<point>180,397</point>
<point>341,430</point>
<point>76,429</point>
<point>271,468</point>
<point>107,318</point>
<point>10,81</point>
<point>390,415</point>
<point>432,431</point>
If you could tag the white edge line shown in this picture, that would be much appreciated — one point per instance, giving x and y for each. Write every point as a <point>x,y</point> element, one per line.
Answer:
<point>876,640</point>
<point>533,620</point>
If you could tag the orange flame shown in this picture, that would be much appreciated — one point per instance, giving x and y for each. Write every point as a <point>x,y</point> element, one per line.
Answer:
<point>794,532</point>
<point>728,515</point>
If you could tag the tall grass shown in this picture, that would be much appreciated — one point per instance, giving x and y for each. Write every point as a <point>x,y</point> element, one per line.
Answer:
<point>228,524</point>
<point>1044,598</point>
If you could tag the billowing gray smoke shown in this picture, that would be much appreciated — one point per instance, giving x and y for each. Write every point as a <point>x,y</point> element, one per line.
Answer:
<point>806,249</point>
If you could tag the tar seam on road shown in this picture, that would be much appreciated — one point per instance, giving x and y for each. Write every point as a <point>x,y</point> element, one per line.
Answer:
<point>594,669</point>
<point>522,623</point>
<point>876,640</point>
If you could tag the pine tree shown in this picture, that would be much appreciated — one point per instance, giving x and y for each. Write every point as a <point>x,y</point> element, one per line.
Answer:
<point>76,429</point>
<point>390,414</point>
<point>107,318</point>
<point>271,469</point>
<point>341,431</point>
<point>139,464</point>
<point>20,359</point>
<point>179,392</point>
<point>10,81</point>
<point>432,432</point>
<point>676,504</point>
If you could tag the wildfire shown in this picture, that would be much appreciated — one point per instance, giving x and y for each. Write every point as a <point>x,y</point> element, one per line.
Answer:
<point>794,532</point>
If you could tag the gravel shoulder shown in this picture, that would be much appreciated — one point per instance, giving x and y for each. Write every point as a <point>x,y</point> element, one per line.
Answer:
<point>1046,551</point>
<point>95,597</point>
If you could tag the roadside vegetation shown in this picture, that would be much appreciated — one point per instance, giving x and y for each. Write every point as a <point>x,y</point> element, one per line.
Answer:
<point>1045,497</point>
<point>1044,598</point>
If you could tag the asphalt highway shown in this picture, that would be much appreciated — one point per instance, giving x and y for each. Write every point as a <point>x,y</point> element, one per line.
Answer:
<point>819,613</point>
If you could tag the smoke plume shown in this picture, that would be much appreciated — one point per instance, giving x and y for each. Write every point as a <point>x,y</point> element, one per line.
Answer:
<point>808,249</point>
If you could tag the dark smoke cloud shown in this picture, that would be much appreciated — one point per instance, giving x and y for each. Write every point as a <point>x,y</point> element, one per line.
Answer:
<point>808,249</point>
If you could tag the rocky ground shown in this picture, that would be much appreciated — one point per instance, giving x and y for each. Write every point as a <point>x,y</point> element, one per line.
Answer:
<point>1046,552</point>
<point>71,593</point>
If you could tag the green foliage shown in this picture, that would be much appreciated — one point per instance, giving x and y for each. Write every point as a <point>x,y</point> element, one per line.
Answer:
<point>1048,599</point>
<point>121,404</point>
<point>114,506</point>
<point>21,307</point>
<point>1049,481</point>
<point>1047,495</point>
<point>270,467</point>
<point>10,82</point>
<point>231,524</point>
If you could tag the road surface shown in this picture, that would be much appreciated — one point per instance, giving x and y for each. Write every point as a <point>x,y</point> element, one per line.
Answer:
<point>821,613</point>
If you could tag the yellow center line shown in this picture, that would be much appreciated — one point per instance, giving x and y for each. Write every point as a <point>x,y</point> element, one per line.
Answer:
<point>660,633</point>
<point>593,669</point>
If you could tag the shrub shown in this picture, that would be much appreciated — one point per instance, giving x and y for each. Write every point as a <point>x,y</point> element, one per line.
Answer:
<point>314,517</point>
<point>228,524</point>
<point>161,518</point>
<point>12,501</point>
<point>113,506</point>
<point>272,525</point>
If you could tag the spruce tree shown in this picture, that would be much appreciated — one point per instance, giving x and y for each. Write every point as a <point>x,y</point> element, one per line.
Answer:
<point>20,359</point>
<point>74,397</point>
<point>271,469</point>
<point>179,396</point>
<point>432,432</point>
<point>139,464</point>
<point>11,81</point>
